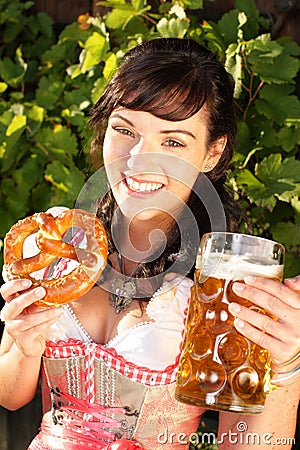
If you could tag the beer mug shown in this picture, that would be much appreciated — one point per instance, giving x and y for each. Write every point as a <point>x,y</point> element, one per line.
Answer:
<point>219,368</point>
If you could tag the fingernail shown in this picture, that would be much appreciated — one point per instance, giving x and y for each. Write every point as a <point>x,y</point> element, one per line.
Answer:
<point>26,283</point>
<point>234,307</point>
<point>291,280</point>
<point>238,286</point>
<point>40,292</point>
<point>249,279</point>
<point>239,323</point>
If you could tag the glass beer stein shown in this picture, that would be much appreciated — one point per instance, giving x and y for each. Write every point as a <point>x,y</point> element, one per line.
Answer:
<point>219,368</point>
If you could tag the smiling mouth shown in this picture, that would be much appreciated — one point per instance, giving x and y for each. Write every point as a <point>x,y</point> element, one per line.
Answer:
<point>142,186</point>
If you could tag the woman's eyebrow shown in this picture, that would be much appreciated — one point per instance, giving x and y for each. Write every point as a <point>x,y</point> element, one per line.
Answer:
<point>188,133</point>
<point>123,118</point>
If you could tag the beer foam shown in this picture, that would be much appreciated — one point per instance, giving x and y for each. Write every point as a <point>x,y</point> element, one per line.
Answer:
<point>236,267</point>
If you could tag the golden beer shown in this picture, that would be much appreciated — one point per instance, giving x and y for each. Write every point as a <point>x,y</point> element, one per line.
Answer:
<point>219,368</point>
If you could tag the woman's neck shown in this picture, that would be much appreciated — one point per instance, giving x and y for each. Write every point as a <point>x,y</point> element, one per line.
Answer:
<point>141,240</point>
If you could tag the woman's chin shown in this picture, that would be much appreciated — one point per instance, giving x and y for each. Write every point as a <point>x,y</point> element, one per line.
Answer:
<point>134,214</point>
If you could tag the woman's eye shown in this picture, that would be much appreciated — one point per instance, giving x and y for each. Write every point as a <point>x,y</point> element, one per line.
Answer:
<point>124,131</point>
<point>173,143</point>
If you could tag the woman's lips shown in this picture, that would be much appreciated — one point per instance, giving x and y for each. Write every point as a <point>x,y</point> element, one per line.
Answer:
<point>143,186</point>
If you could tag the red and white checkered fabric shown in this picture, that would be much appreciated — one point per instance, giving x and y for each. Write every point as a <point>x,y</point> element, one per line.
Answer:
<point>75,348</point>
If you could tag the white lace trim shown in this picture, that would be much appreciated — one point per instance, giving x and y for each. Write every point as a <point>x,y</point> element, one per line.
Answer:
<point>69,310</point>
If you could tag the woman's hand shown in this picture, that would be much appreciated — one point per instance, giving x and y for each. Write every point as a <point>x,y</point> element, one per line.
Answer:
<point>279,335</point>
<point>25,322</point>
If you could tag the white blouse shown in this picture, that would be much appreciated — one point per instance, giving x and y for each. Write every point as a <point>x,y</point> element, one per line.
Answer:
<point>154,344</point>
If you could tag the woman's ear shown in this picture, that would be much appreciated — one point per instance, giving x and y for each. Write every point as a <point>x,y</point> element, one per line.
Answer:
<point>215,152</point>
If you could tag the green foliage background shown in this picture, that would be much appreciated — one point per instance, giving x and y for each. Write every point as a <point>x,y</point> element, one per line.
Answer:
<point>49,82</point>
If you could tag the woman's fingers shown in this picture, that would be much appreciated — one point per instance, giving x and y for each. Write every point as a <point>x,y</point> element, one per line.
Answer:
<point>9,289</point>
<point>272,296</point>
<point>273,325</point>
<point>15,307</point>
<point>261,321</point>
<point>265,331</point>
<point>31,341</point>
<point>273,288</point>
<point>32,321</point>
<point>293,283</point>
<point>277,348</point>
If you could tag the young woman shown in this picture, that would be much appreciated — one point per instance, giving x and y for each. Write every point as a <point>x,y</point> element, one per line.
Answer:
<point>109,360</point>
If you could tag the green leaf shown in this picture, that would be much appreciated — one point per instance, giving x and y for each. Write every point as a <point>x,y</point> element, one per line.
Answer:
<point>45,23</point>
<point>13,74</point>
<point>262,49</point>
<point>192,4</point>
<point>96,47</point>
<point>138,4</point>
<point>282,69</point>
<point>276,103</point>
<point>273,177</point>
<point>72,32</point>
<point>263,132</point>
<point>59,142</point>
<point>118,18</point>
<point>288,137</point>
<point>110,66</point>
<point>178,11</point>
<point>234,65</point>
<point>49,91</point>
<point>288,234</point>
<point>11,132</point>
<point>67,182</point>
<point>75,117</point>
<point>3,87</point>
<point>256,190</point>
<point>98,89</point>
<point>270,61</point>
<point>79,97</point>
<point>277,173</point>
<point>29,174</point>
<point>173,27</point>
<point>249,7</point>
<point>17,126</point>
<point>36,113</point>
<point>214,38</point>
<point>227,27</point>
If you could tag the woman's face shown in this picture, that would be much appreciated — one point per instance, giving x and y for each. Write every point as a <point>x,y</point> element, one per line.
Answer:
<point>153,163</point>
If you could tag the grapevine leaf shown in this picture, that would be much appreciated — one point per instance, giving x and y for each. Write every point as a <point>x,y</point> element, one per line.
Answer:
<point>17,126</point>
<point>65,180</point>
<point>192,4</point>
<point>276,103</point>
<point>96,48</point>
<point>58,142</point>
<point>49,91</point>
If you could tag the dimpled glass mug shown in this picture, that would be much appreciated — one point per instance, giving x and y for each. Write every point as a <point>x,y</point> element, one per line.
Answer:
<point>219,368</point>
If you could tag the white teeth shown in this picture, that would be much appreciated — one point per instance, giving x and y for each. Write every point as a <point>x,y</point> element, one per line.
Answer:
<point>143,187</point>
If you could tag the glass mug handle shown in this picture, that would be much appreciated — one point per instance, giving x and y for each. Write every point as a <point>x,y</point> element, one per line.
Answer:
<point>283,374</point>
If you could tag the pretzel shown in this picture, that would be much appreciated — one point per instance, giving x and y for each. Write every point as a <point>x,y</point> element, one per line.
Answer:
<point>49,232</point>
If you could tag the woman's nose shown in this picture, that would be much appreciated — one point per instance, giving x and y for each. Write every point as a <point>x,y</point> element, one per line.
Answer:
<point>142,156</point>
<point>144,162</point>
<point>140,146</point>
